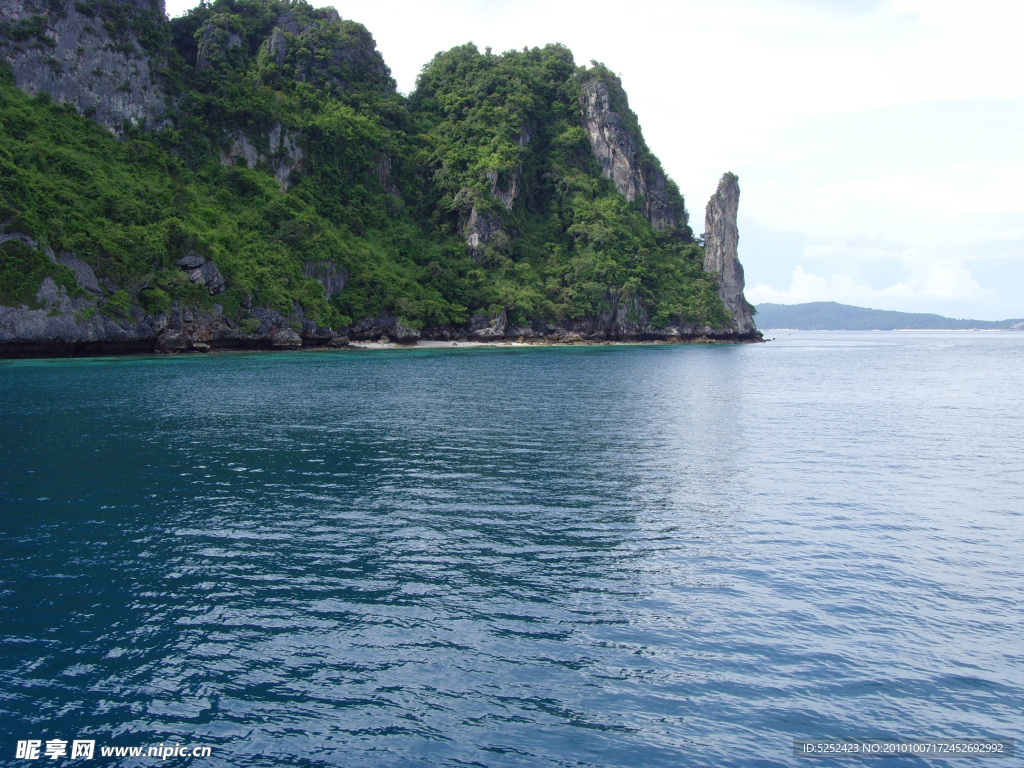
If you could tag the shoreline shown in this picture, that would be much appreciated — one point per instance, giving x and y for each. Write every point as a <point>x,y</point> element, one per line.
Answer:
<point>515,343</point>
<point>68,330</point>
<point>71,328</point>
<point>81,351</point>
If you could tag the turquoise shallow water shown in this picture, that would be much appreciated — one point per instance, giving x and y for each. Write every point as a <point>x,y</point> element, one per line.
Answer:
<point>603,556</point>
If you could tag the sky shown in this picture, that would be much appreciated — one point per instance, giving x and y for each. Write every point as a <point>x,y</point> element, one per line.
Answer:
<point>878,143</point>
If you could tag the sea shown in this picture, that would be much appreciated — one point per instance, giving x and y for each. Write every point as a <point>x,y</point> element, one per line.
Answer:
<point>633,555</point>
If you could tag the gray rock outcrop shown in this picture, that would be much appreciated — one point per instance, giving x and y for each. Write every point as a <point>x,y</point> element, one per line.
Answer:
<point>63,322</point>
<point>383,169</point>
<point>84,275</point>
<point>276,147</point>
<point>506,193</point>
<point>67,49</point>
<point>620,152</point>
<point>85,322</point>
<point>191,260</point>
<point>478,229</point>
<point>203,272</point>
<point>217,40</point>
<point>209,277</point>
<point>285,338</point>
<point>384,326</point>
<point>331,277</point>
<point>405,333</point>
<point>328,51</point>
<point>171,340</point>
<point>488,326</point>
<point>721,244</point>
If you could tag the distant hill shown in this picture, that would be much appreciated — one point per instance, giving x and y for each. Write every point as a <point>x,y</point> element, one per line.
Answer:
<point>830,316</point>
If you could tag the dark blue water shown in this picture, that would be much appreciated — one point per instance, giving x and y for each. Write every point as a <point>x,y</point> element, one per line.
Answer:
<point>604,556</point>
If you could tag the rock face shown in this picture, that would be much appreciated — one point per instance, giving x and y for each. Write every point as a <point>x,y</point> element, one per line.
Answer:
<point>285,338</point>
<point>384,326</point>
<point>88,54</point>
<point>66,326</point>
<point>383,170</point>
<point>488,327</point>
<point>478,229</point>
<point>328,51</point>
<point>64,323</point>
<point>203,272</point>
<point>405,333</point>
<point>481,228</point>
<point>620,152</point>
<point>85,323</point>
<point>331,277</point>
<point>721,237</point>
<point>217,40</point>
<point>278,147</point>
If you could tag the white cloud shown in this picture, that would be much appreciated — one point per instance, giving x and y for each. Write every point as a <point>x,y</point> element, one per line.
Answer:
<point>930,283</point>
<point>936,207</point>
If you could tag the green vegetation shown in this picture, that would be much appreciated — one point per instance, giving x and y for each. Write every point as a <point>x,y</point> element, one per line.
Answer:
<point>346,171</point>
<point>131,209</point>
<point>572,242</point>
<point>22,271</point>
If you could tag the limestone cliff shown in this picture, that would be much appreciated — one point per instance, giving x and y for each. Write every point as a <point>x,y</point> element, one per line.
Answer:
<point>89,54</point>
<point>721,243</point>
<point>179,238</point>
<point>326,50</point>
<point>619,148</point>
<point>315,46</point>
<point>275,146</point>
<point>477,228</point>
<point>483,229</point>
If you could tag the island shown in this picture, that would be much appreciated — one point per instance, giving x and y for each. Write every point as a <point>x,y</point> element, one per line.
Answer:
<point>248,176</point>
<point>832,316</point>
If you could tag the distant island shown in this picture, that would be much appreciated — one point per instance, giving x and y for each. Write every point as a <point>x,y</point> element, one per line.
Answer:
<point>830,316</point>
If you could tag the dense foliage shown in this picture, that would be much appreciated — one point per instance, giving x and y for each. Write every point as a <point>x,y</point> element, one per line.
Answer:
<point>382,185</point>
<point>571,241</point>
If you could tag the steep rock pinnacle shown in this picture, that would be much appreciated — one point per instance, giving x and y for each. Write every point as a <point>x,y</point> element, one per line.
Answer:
<point>721,247</point>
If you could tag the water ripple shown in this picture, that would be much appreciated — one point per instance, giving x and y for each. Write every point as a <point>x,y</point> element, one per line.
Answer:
<point>652,556</point>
